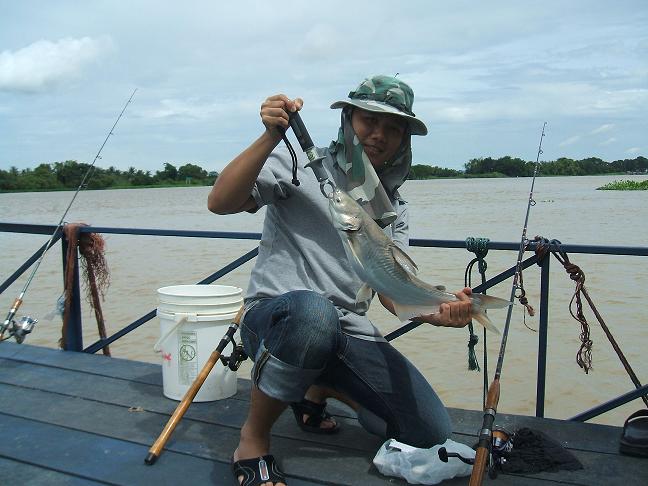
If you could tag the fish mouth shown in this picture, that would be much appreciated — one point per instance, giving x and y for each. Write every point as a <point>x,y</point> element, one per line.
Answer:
<point>346,227</point>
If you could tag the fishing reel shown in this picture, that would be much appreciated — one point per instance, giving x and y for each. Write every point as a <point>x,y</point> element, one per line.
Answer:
<point>501,446</point>
<point>234,360</point>
<point>20,329</point>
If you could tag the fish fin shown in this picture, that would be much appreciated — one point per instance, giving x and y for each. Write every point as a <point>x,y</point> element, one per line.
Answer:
<point>483,319</point>
<point>352,253</point>
<point>364,294</point>
<point>408,312</point>
<point>490,302</point>
<point>404,260</point>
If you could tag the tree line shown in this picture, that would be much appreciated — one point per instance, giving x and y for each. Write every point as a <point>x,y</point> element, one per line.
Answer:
<point>516,167</point>
<point>69,174</point>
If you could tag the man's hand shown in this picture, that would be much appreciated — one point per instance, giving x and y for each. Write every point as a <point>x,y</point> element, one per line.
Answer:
<point>274,113</point>
<point>452,314</point>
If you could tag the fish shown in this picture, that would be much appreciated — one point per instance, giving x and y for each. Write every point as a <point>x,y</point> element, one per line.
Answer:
<point>389,271</point>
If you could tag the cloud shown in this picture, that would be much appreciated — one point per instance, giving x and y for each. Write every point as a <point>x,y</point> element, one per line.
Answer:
<point>603,128</point>
<point>569,141</point>
<point>609,141</point>
<point>45,63</point>
<point>193,108</point>
<point>321,43</point>
<point>633,150</point>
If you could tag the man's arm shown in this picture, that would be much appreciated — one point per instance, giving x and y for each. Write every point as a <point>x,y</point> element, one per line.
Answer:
<point>232,190</point>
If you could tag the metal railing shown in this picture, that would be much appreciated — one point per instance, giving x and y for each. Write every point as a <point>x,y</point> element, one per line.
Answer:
<point>74,341</point>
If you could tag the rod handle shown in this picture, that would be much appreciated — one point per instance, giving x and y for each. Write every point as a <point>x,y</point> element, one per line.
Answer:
<point>479,467</point>
<point>158,445</point>
<point>299,129</point>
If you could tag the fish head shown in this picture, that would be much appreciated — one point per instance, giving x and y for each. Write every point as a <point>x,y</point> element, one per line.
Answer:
<point>345,212</point>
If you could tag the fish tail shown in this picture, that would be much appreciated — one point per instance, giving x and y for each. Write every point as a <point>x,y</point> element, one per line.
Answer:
<point>481,317</point>
<point>484,301</point>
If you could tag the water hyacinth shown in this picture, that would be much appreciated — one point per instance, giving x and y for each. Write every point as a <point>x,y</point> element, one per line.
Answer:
<point>625,185</point>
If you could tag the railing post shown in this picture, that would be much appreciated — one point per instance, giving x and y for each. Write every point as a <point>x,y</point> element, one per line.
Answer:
<point>74,330</point>
<point>542,335</point>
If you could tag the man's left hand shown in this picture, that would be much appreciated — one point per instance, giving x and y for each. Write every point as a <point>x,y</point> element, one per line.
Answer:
<point>452,314</point>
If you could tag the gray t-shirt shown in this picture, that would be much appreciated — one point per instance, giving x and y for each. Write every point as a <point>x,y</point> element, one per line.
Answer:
<point>301,250</point>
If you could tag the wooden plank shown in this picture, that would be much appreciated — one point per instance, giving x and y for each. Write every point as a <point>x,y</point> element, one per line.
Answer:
<point>195,438</point>
<point>101,391</point>
<point>106,459</point>
<point>138,392</point>
<point>228,412</point>
<point>573,435</point>
<point>99,458</point>
<point>301,458</point>
<point>15,472</point>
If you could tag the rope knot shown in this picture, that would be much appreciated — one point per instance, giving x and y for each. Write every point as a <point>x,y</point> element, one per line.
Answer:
<point>473,340</point>
<point>543,246</point>
<point>478,246</point>
<point>525,302</point>
<point>574,271</point>
<point>482,266</point>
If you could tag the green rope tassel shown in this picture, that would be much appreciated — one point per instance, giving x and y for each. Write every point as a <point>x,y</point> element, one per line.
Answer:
<point>478,246</point>
<point>473,364</point>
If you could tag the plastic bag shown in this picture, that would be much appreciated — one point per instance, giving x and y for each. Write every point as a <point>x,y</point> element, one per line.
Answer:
<point>422,466</point>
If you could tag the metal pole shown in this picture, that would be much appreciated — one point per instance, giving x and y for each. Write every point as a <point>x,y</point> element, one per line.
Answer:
<point>542,337</point>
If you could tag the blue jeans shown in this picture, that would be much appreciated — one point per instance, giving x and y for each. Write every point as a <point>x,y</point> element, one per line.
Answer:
<point>296,341</point>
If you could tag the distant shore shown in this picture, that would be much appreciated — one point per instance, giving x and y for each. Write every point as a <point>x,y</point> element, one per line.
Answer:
<point>69,175</point>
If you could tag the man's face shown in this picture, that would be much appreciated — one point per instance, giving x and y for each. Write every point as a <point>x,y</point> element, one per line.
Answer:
<point>380,134</point>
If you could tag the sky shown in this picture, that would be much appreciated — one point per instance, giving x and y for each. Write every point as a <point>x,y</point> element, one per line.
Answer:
<point>486,76</point>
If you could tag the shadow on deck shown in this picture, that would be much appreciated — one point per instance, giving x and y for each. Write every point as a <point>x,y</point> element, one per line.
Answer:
<point>77,419</point>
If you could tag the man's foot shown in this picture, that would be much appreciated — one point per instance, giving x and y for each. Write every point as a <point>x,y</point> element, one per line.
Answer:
<point>313,417</point>
<point>258,471</point>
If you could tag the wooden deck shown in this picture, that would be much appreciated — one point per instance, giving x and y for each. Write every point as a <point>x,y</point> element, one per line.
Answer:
<point>79,419</point>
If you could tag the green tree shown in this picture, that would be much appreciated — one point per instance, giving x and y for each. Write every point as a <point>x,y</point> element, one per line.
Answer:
<point>43,177</point>
<point>191,172</point>
<point>141,178</point>
<point>9,179</point>
<point>420,171</point>
<point>70,173</point>
<point>170,173</point>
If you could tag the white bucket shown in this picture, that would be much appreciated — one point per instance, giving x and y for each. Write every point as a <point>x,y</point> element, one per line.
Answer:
<point>193,320</point>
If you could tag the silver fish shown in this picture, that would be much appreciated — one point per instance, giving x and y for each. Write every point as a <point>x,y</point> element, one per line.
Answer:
<point>389,271</point>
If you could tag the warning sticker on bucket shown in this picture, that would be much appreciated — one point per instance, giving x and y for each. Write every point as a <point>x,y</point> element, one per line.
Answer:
<point>187,359</point>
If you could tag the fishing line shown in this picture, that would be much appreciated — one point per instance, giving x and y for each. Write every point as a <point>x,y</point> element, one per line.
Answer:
<point>486,433</point>
<point>21,330</point>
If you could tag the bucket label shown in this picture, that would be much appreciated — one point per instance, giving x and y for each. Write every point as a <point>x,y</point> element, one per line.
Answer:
<point>187,358</point>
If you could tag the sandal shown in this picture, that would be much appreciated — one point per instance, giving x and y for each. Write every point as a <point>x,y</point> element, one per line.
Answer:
<point>316,415</point>
<point>634,440</point>
<point>257,471</point>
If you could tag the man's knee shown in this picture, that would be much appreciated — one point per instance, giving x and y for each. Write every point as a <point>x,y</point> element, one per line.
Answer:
<point>311,308</point>
<point>314,322</point>
<point>412,429</point>
<point>426,433</point>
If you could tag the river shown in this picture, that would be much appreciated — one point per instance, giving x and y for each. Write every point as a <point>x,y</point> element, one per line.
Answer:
<point>567,208</point>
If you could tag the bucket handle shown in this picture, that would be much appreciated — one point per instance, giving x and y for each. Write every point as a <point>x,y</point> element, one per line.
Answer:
<point>179,318</point>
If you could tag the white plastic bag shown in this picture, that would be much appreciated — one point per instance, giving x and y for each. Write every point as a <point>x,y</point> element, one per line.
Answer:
<point>422,466</point>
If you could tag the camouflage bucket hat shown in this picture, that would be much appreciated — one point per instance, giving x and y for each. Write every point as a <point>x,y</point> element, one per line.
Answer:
<point>385,94</point>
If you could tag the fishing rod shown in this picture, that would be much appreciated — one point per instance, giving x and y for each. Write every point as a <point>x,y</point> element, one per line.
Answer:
<point>492,398</point>
<point>315,156</point>
<point>26,325</point>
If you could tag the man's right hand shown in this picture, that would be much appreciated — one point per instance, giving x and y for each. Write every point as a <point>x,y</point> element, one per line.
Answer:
<point>274,113</point>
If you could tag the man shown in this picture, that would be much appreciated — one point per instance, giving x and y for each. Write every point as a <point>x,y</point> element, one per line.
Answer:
<point>303,327</point>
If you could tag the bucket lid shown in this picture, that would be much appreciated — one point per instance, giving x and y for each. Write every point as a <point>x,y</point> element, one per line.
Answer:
<point>200,291</point>
<point>191,317</point>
